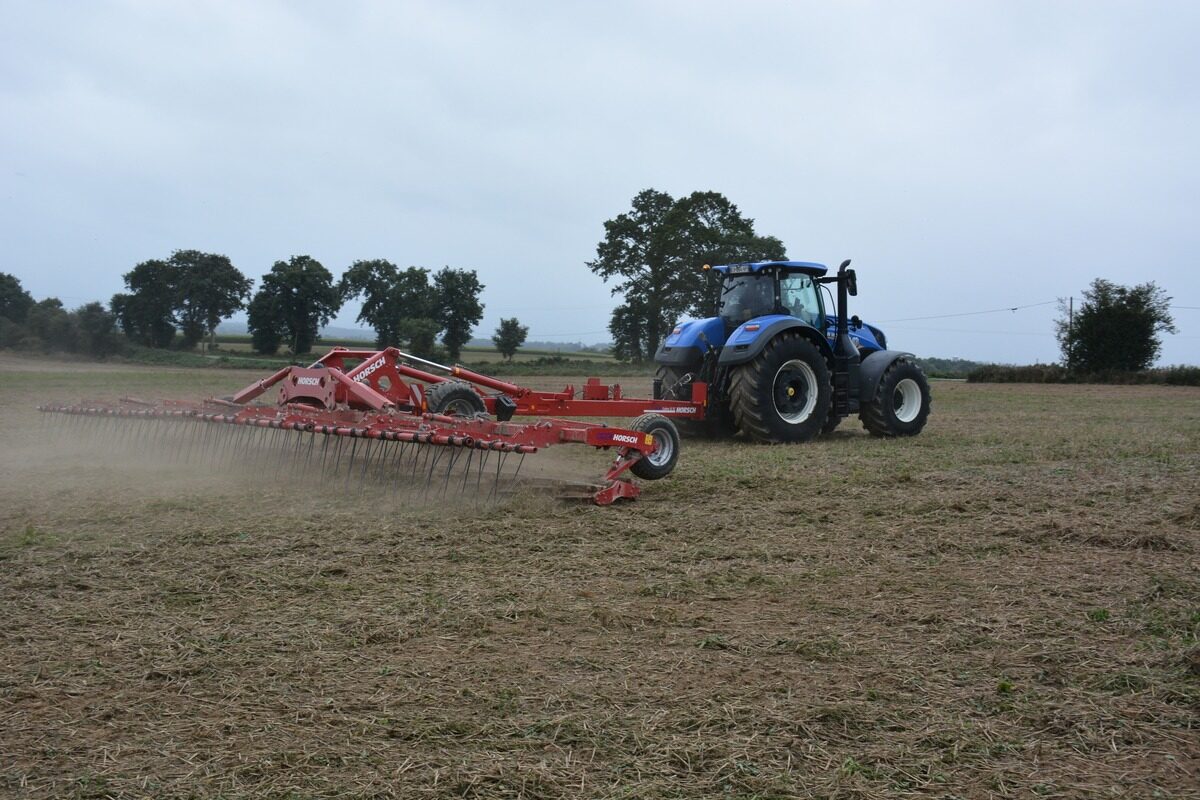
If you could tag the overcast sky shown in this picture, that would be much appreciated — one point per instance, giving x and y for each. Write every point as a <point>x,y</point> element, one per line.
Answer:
<point>966,155</point>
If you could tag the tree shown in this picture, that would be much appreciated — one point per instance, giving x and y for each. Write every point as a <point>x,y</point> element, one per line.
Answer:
<point>266,327</point>
<point>509,336</point>
<point>456,306</point>
<point>147,312</point>
<point>208,289</point>
<point>392,299</point>
<point>1115,327</point>
<point>421,336</point>
<point>654,253</point>
<point>296,298</point>
<point>51,325</point>
<point>95,330</point>
<point>15,302</point>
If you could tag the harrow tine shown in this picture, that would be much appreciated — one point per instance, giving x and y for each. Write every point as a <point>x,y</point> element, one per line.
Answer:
<point>350,463</point>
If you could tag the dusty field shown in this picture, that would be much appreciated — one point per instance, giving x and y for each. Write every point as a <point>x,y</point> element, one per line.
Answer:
<point>1005,606</point>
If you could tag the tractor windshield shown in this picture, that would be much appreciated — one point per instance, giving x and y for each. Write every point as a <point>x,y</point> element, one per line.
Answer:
<point>744,297</point>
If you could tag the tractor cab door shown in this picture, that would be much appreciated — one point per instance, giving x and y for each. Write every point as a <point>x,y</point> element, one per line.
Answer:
<point>798,297</point>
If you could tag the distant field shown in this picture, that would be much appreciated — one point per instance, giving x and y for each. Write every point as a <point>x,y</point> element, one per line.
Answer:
<point>240,345</point>
<point>1005,606</point>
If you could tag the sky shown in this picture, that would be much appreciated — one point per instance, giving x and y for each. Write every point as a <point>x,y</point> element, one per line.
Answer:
<point>968,156</point>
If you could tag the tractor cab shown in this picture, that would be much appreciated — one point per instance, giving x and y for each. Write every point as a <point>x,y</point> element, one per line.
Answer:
<point>770,287</point>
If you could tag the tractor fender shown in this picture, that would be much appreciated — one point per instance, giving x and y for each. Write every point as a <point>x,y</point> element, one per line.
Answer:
<point>687,343</point>
<point>872,369</point>
<point>744,345</point>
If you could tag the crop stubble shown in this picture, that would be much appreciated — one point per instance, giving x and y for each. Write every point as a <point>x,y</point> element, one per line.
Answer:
<point>1008,604</point>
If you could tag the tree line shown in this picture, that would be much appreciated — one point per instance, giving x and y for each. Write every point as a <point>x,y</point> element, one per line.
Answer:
<point>651,253</point>
<point>179,301</point>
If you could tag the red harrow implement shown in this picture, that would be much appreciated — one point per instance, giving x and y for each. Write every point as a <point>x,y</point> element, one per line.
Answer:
<point>372,415</point>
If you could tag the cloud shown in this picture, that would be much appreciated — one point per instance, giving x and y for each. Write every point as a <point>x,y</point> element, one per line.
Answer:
<point>965,155</point>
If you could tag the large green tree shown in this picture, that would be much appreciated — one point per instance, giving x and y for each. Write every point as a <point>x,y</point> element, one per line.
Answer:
<point>457,308</point>
<point>404,307</point>
<point>147,311</point>
<point>15,302</point>
<point>654,253</point>
<point>191,290</point>
<point>393,300</point>
<point>1115,327</point>
<point>208,289</point>
<point>296,298</point>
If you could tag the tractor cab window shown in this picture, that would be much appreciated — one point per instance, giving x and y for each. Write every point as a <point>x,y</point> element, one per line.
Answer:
<point>745,297</point>
<point>799,297</point>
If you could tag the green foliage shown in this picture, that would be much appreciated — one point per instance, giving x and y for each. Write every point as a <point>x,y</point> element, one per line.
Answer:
<point>191,290</point>
<point>208,289</point>
<point>296,298</point>
<point>949,367</point>
<point>96,330</point>
<point>89,329</point>
<point>147,312</point>
<point>1055,373</point>
<point>1115,328</point>
<point>266,329</point>
<point>50,325</point>
<point>15,302</point>
<point>509,336</point>
<point>392,298</point>
<point>11,333</point>
<point>457,308</point>
<point>421,336</point>
<point>403,307</point>
<point>654,253</point>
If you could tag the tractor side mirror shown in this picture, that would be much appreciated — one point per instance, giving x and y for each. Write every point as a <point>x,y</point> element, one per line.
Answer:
<point>851,283</point>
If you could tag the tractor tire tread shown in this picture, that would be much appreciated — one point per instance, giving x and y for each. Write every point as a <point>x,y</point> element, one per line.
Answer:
<point>746,395</point>
<point>875,414</point>
<point>439,395</point>
<point>656,425</point>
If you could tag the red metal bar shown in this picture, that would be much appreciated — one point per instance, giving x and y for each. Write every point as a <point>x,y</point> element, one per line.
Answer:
<point>465,374</point>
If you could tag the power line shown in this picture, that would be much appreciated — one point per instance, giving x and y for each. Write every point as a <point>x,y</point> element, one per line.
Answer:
<point>971,313</point>
<point>960,330</point>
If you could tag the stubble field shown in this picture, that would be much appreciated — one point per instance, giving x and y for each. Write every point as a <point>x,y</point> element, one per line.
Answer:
<point>1007,605</point>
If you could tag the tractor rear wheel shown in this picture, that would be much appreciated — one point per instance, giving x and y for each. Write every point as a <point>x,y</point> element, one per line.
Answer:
<point>454,399</point>
<point>661,462</point>
<point>783,395</point>
<point>901,403</point>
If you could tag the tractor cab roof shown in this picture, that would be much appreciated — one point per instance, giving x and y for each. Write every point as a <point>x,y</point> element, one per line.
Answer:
<point>806,267</point>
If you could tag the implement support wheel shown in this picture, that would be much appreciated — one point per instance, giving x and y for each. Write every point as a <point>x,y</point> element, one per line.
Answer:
<point>659,463</point>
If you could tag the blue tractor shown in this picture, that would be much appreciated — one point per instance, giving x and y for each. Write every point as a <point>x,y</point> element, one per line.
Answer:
<point>780,367</point>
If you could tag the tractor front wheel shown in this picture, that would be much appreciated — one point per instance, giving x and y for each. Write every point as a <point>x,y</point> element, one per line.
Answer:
<point>454,399</point>
<point>661,462</point>
<point>901,403</point>
<point>783,395</point>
